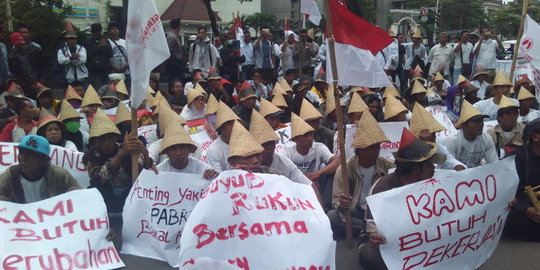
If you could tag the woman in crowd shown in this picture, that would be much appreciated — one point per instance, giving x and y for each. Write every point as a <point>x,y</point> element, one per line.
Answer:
<point>51,128</point>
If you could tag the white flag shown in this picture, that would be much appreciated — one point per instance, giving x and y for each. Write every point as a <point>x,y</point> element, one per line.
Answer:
<point>146,46</point>
<point>529,45</point>
<point>310,8</point>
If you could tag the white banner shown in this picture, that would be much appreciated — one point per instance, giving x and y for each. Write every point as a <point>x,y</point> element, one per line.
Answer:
<point>489,124</point>
<point>284,135</point>
<point>452,221</point>
<point>527,70</point>
<point>147,132</point>
<point>64,232</point>
<point>61,157</point>
<point>205,141</point>
<point>258,221</point>
<point>156,211</point>
<point>439,113</point>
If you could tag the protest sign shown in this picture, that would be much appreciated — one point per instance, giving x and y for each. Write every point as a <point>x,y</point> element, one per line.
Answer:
<point>148,132</point>
<point>527,70</point>
<point>156,211</point>
<point>350,129</point>
<point>451,221</point>
<point>489,124</point>
<point>284,135</point>
<point>204,140</point>
<point>439,113</point>
<point>61,157</point>
<point>195,126</point>
<point>257,221</point>
<point>64,232</point>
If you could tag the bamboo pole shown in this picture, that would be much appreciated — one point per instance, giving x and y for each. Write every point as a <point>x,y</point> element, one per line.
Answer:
<point>285,41</point>
<point>134,156</point>
<point>341,133</point>
<point>518,40</point>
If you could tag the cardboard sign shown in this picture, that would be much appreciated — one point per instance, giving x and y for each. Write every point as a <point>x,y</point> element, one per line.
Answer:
<point>452,221</point>
<point>440,114</point>
<point>258,221</point>
<point>205,141</point>
<point>61,157</point>
<point>284,135</point>
<point>64,232</point>
<point>156,211</point>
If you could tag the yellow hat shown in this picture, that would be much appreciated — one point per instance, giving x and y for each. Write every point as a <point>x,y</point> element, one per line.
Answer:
<point>192,94</point>
<point>418,69</point>
<point>102,125</point>
<point>246,94</point>
<point>91,97</point>
<point>151,91</point>
<point>211,105</point>
<point>110,93</point>
<point>122,114</point>
<point>278,89</point>
<point>224,114</point>
<point>200,89</point>
<point>67,111</point>
<point>168,117</point>
<point>393,107</point>
<point>418,88</point>
<point>267,108</point>
<point>45,117</point>
<point>174,135</point>
<point>72,94</point>
<point>311,33</point>
<point>285,85</point>
<point>524,94</point>
<point>468,111</point>
<point>506,103</point>
<point>390,90</point>
<point>279,101</point>
<point>421,119</point>
<point>417,33</point>
<point>261,129</point>
<point>156,100</point>
<point>368,132</point>
<point>121,88</point>
<point>439,77</point>
<point>460,79</point>
<point>44,89</point>
<point>242,143</point>
<point>331,101</point>
<point>309,112</point>
<point>357,104</point>
<point>501,79</point>
<point>299,127</point>
<point>149,99</point>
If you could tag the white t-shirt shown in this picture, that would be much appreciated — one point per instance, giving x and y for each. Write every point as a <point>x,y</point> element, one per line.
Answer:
<point>318,154</point>
<point>451,162</point>
<point>217,155</point>
<point>489,108</point>
<point>482,91</point>
<point>289,169</point>
<point>366,174</point>
<point>487,54</point>
<point>187,86</point>
<point>71,146</point>
<point>466,49</point>
<point>471,153</point>
<point>31,189</point>
<point>533,114</point>
<point>440,58</point>
<point>194,166</point>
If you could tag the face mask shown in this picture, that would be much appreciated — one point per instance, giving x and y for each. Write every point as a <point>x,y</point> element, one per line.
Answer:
<point>73,126</point>
<point>229,41</point>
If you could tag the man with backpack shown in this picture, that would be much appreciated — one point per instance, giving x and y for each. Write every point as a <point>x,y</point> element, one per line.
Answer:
<point>118,60</point>
<point>202,54</point>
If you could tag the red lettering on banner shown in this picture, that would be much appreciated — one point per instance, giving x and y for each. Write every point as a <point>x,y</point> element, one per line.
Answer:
<point>277,202</point>
<point>389,145</point>
<point>160,235</point>
<point>59,207</point>
<point>311,267</point>
<point>250,180</point>
<point>2,154</point>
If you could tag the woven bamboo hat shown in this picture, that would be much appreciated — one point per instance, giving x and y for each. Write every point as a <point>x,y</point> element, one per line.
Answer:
<point>90,97</point>
<point>242,143</point>
<point>331,101</point>
<point>418,88</point>
<point>67,111</point>
<point>154,102</point>
<point>278,89</point>
<point>506,103</point>
<point>438,77</point>
<point>285,85</point>
<point>501,79</point>
<point>200,89</point>
<point>390,90</point>
<point>393,107</point>
<point>417,33</point>
<point>480,71</point>
<point>368,132</point>
<point>213,74</point>
<point>468,112</point>
<point>43,89</point>
<point>149,99</point>
<point>412,149</point>
<point>261,130</point>
<point>192,94</point>
<point>72,94</point>
<point>421,119</point>
<point>309,112</point>
<point>391,33</point>
<point>418,69</point>
<point>45,117</point>
<point>279,101</point>
<point>102,125</point>
<point>267,108</point>
<point>167,118</point>
<point>174,135</point>
<point>122,114</point>
<point>246,94</point>
<point>151,91</point>
<point>460,79</point>
<point>110,93</point>
<point>299,127</point>
<point>224,114</point>
<point>524,94</point>
<point>357,104</point>
<point>211,105</point>
<point>121,88</point>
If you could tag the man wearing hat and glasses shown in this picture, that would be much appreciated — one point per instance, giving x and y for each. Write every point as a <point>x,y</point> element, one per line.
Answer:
<point>414,162</point>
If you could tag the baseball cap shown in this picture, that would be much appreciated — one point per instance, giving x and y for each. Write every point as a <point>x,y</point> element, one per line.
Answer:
<point>16,38</point>
<point>36,143</point>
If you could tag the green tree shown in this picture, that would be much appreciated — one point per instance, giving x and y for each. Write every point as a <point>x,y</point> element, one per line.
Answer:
<point>461,14</point>
<point>258,20</point>
<point>364,9</point>
<point>506,20</point>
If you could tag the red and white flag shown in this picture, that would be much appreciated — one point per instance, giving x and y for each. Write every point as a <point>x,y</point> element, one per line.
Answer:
<point>237,28</point>
<point>356,43</point>
<point>529,46</point>
<point>310,8</point>
<point>146,46</point>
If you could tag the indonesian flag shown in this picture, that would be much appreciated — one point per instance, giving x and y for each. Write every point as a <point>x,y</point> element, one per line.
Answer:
<point>311,10</point>
<point>146,46</point>
<point>237,28</point>
<point>356,43</point>
<point>529,46</point>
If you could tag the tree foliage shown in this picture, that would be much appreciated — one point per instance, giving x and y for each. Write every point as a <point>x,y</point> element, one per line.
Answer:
<point>506,20</point>
<point>461,14</point>
<point>364,9</point>
<point>258,20</point>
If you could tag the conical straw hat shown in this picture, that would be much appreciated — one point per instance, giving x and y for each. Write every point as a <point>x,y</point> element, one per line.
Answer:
<point>224,114</point>
<point>151,91</point>
<point>211,105</point>
<point>393,107</point>
<point>460,79</point>
<point>391,33</point>
<point>331,101</point>
<point>506,103</point>
<point>110,93</point>
<point>390,90</point>
<point>155,101</point>
<point>261,129</point>
<point>524,94</point>
<point>418,88</point>
<point>122,114</point>
<point>309,112</point>
<point>192,94</point>
<point>72,94</point>
<point>418,69</point>
<point>200,89</point>
<point>149,99</point>
<point>421,119</point>
<point>102,125</point>
<point>299,126</point>
<point>45,117</point>
<point>368,132</point>
<point>242,143</point>
<point>91,97</point>
<point>278,89</point>
<point>168,117</point>
<point>285,85</point>
<point>174,135</point>
<point>267,108</point>
<point>67,111</point>
<point>439,77</point>
<point>468,111</point>
<point>279,101</point>
<point>121,88</point>
<point>357,104</point>
<point>417,33</point>
<point>501,79</point>
<point>213,74</point>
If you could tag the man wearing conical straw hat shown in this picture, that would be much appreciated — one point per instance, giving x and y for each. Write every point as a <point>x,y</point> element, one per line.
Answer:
<point>394,111</point>
<point>272,114</point>
<point>416,53</point>
<point>439,85</point>
<point>414,161</point>
<point>363,170</point>
<point>508,134</point>
<point>246,104</point>
<point>109,163</point>
<point>501,87</point>
<point>72,121</point>
<point>217,153</point>
<point>481,79</point>
<point>470,145</point>
<point>313,117</point>
<point>526,100</point>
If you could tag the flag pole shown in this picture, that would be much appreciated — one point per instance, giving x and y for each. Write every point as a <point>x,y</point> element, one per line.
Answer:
<point>285,41</point>
<point>344,176</point>
<point>518,40</point>
<point>134,156</point>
